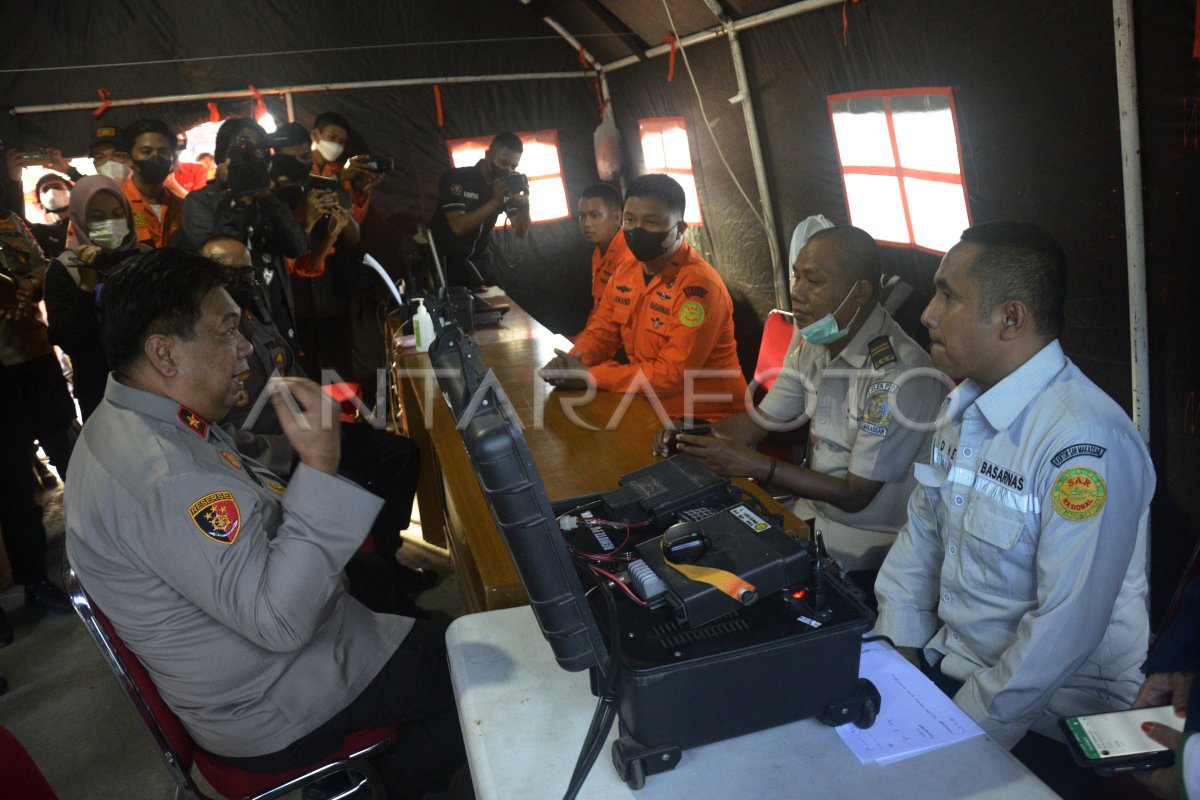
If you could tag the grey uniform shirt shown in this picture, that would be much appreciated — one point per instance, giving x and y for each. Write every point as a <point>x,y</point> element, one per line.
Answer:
<point>1023,563</point>
<point>225,582</point>
<point>872,409</point>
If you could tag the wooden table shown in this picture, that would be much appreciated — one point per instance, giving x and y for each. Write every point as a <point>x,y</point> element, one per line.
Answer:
<point>580,444</point>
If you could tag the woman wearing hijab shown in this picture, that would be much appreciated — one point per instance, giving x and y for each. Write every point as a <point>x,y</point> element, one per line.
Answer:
<point>100,236</point>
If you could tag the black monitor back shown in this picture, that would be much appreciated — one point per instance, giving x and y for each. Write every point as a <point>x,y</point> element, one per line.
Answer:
<point>518,501</point>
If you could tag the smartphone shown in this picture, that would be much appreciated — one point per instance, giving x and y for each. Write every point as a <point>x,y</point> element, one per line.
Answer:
<point>1114,742</point>
<point>331,185</point>
<point>673,439</point>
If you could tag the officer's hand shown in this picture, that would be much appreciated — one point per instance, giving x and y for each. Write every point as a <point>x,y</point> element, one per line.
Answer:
<point>723,455</point>
<point>15,161</point>
<point>57,161</point>
<point>1163,782</point>
<point>660,445</point>
<point>1162,688</point>
<point>565,371</point>
<point>309,418</point>
<point>353,168</point>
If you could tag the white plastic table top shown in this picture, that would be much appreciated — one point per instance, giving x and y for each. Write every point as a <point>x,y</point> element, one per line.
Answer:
<point>524,719</point>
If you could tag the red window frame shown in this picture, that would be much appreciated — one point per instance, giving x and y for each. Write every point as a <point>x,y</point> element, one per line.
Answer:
<point>899,171</point>
<point>659,125</point>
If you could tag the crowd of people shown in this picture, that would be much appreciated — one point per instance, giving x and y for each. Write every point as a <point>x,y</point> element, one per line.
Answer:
<point>987,497</point>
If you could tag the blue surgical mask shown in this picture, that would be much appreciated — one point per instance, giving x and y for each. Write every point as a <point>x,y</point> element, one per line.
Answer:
<point>826,330</point>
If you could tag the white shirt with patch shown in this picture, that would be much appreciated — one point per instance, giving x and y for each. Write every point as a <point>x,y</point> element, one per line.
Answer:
<point>1023,563</point>
<point>861,403</point>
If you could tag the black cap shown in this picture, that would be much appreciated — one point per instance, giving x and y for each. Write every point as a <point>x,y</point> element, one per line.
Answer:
<point>49,177</point>
<point>289,135</point>
<point>107,134</point>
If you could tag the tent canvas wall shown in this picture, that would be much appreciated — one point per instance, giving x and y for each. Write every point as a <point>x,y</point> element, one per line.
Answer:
<point>1034,85</point>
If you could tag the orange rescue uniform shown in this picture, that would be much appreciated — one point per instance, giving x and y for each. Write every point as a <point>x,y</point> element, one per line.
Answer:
<point>676,325</point>
<point>304,266</point>
<point>606,263</point>
<point>151,230</point>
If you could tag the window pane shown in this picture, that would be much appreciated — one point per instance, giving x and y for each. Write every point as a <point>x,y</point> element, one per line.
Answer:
<point>925,136</point>
<point>938,210</point>
<point>691,212</point>
<point>547,199</point>
<point>675,146</point>
<point>539,159</point>
<point>466,154</point>
<point>653,154</point>
<point>875,207</point>
<point>862,133</point>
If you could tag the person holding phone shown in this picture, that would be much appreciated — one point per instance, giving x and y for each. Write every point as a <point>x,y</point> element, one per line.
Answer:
<point>1019,580</point>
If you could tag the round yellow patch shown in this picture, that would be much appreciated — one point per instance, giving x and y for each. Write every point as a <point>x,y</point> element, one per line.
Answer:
<point>691,313</point>
<point>1079,493</point>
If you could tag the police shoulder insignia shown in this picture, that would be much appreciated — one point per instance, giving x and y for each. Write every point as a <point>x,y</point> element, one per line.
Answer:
<point>217,516</point>
<point>193,421</point>
<point>276,487</point>
<point>882,353</point>
<point>230,459</point>
<point>877,413</point>
<point>1078,494</point>
<point>691,313</point>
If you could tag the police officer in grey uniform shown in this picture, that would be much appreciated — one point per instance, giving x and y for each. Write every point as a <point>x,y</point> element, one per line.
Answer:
<point>1019,579</point>
<point>222,578</point>
<point>871,394</point>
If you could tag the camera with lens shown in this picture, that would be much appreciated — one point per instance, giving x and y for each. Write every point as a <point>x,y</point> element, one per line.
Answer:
<point>248,170</point>
<point>518,185</point>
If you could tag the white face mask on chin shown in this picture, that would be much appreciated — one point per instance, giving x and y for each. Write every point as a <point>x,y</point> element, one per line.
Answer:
<point>55,199</point>
<point>328,150</point>
<point>115,170</point>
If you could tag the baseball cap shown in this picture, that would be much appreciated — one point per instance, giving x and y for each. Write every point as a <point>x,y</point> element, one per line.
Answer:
<point>288,135</point>
<point>107,134</point>
<point>50,177</point>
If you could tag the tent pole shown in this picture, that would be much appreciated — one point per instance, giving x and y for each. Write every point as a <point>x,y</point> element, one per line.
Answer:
<point>291,111</point>
<point>306,88</point>
<point>752,21</point>
<point>1135,240</point>
<point>778,269</point>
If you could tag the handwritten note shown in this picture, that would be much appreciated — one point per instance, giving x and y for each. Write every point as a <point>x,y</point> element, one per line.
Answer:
<point>914,717</point>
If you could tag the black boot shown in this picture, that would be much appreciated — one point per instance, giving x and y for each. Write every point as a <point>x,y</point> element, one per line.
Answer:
<point>45,595</point>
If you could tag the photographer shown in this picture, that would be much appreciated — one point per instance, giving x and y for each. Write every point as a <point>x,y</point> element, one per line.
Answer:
<point>469,201</point>
<point>100,235</point>
<point>239,204</point>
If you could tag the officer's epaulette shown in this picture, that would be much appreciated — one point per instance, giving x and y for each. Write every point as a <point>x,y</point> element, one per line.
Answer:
<point>882,353</point>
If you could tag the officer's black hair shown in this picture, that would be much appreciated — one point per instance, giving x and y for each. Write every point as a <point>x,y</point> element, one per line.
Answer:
<point>326,118</point>
<point>142,126</point>
<point>858,254</point>
<point>507,140</point>
<point>229,131</point>
<point>156,292</point>
<point>662,188</point>
<point>1021,261</point>
<point>610,194</point>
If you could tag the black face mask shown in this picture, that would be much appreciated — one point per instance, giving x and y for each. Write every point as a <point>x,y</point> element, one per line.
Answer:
<point>153,170</point>
<point>645,245</point>
<point>290,167</point>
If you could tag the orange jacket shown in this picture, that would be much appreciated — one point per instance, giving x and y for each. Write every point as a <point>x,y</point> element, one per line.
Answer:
<point>306,266</point>
<point>151,230</point>
<point>674,328</point>
<point>604,265</point>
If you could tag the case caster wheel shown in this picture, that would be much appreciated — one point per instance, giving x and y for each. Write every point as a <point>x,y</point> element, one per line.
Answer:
<point>861,708</point>
<point>867,714</point>
<point>637,775</point>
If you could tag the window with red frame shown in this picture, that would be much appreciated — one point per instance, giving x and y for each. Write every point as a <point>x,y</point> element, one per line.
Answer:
<point>539,162</point>
<point>665,150</point>
<point>902,165</point>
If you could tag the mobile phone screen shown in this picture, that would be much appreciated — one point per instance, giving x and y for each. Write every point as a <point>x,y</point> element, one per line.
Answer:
<point>1119,733</point>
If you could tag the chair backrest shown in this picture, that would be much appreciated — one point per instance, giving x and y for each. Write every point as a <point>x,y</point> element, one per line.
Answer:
<point>19,774</point>
<point>172,740</point>
<point>778,332</point>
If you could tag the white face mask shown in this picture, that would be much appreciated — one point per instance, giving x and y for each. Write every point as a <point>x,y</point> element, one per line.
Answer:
<point>115,170</point>
<point>108,233</point>
<point>328,150</point>
<point>55,199</point>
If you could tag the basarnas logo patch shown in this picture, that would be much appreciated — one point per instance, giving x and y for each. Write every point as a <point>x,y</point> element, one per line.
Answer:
<point>1079,494</point>
<point>877,414</point>
<point>217,516</point>
<point>691,313</point>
